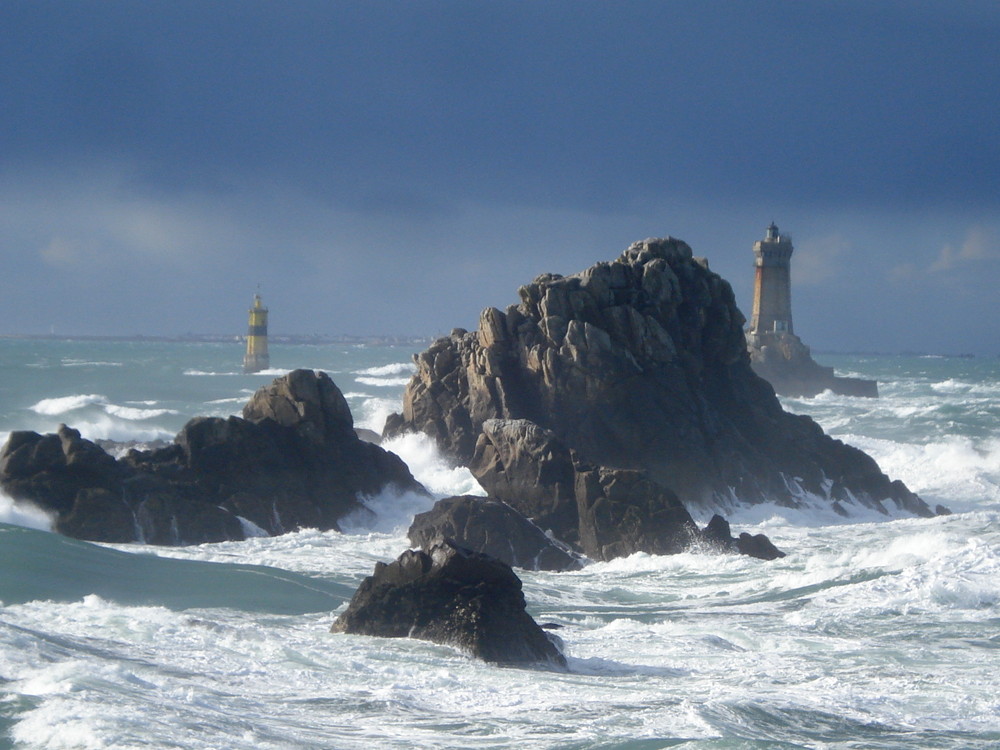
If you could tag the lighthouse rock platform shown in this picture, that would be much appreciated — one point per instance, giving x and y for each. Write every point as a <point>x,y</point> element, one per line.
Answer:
<point>786,363</point>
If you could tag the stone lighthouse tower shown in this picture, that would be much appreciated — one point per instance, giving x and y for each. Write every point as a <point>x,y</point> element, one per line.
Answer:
<point>776,353</point>
<point>257,358</point>
<point>772,286</point>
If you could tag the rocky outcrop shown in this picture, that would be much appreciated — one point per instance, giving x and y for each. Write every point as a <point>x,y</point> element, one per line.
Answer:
<point>639,364</point>
<point>718,534</point>
<point>786,363</point>
<point>292,461</point>
<point>493,528</point>
<point>452,596</point>
<point>602,511</point>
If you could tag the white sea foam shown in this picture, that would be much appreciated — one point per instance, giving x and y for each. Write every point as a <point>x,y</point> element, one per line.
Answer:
<point>22,513</point>
<point>430,468</point>
<point>374,411</point>
<point>209,373</point>
<point>88,363</point>
<point>935,570</point>
<point>57,407</point>
<point>959,472</point>
<point>389,512</point>
<point>107,428</point>
<point>383,382</point>
<point>250,529</point>
<point>131,413</point>
<point>64,404</point>
<point>951,386</point>
<point>397,368</point>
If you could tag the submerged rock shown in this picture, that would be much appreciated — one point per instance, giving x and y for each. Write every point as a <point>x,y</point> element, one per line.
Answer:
<point>292,461</point>
<point>452,596</point>
<point>718,534</point>
<point>493,528</point>
<point>641,365</point>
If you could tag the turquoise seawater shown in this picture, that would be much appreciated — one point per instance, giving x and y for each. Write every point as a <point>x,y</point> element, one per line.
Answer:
<point>872,633</point>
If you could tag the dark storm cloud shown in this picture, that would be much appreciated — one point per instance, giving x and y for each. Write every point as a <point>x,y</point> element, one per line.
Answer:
<point>452,150</point>
<point>585,103</point>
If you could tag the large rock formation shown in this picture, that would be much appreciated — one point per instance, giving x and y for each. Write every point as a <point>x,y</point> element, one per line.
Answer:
<point>639,364</point>
<point>452,596</point>
<point>491,527</point>
<point>292,461</point>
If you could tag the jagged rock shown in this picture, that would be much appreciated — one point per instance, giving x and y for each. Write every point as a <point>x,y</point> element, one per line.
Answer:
<point>452,596</point>
<point>604,512</point>
<point>493,528</point>
<point>718,534</point>
<point>292,461</point>
<point>531,470</point>
<point>639,364</point>
<point>622,511</point>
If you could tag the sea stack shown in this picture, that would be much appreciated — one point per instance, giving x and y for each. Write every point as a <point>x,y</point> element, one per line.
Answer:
<point>606,402</point>
<point>776,353</point>
<point>257,358</point>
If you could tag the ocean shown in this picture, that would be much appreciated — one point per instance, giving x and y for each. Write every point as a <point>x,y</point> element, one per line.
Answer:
<point>873,632</point>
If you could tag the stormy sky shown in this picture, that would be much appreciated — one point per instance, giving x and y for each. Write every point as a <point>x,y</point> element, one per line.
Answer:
<point>394,167</point>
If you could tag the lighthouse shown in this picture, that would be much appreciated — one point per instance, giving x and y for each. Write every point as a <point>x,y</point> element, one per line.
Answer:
<point>257,358</point>
<point>772,286</point>
<point>776,353</point>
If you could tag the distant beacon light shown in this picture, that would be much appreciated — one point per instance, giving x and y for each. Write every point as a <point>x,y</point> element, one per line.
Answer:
<point>257,358</point>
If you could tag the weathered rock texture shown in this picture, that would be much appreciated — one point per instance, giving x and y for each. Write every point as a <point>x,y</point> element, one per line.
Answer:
<point>452,596</point>
<point>491,527</point>
<point>604,512</point>
<point>292,461</point>
<point>639,364</point>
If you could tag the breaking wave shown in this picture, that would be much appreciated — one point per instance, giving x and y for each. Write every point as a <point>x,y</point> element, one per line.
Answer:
<point>54,407</point>
<point>383,382</point>
<point>396,368</point>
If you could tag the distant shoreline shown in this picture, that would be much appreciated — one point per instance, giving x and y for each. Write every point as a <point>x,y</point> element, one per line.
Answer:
<point>370,340</point>
<point>234,338</point>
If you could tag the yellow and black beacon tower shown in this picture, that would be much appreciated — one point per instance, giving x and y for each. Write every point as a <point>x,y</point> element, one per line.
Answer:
<point>257,358</point>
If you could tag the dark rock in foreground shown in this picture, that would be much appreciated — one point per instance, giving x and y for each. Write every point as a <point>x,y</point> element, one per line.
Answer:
<point>293,461</point>
<point>452,596</point>
<point>640,364</point>
<point>491,527</point>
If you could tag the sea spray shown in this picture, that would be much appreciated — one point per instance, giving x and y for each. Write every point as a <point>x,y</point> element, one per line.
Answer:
<point>431,469</point>
<point>23,514</point>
